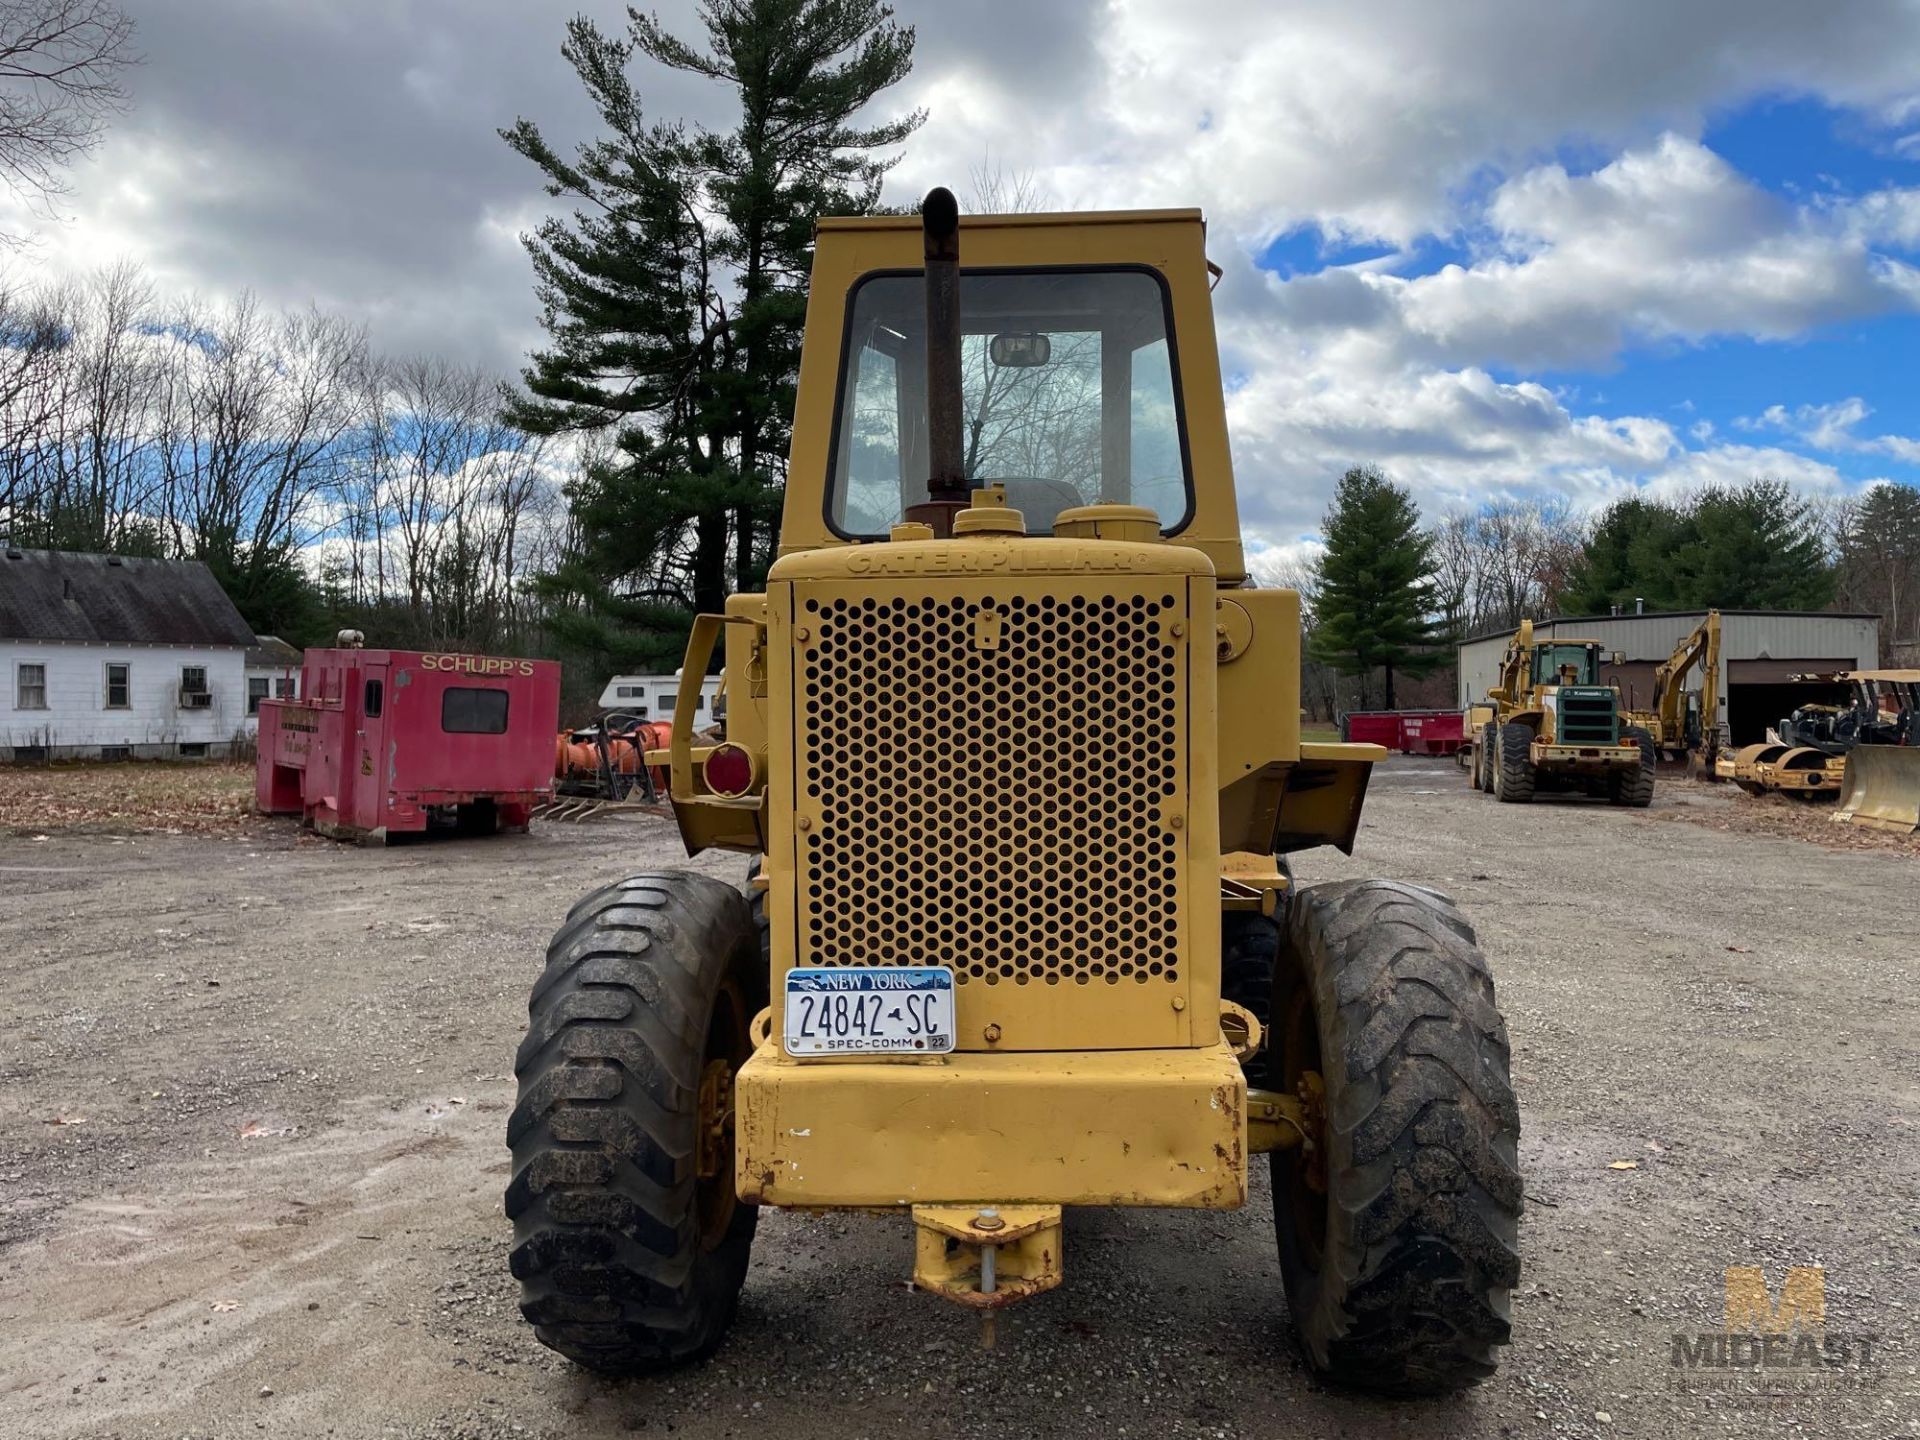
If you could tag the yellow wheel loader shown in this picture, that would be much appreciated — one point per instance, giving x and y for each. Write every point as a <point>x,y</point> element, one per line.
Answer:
<point>1015,747</point>
<point>1556,728</point>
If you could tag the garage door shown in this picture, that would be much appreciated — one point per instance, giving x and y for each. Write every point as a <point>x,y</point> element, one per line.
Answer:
<point>1775,672</point>
<point>1635,679</point>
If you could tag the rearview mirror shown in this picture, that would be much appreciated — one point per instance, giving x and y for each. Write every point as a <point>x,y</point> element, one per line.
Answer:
<point>1619,657</point>
<point>1020,352</point>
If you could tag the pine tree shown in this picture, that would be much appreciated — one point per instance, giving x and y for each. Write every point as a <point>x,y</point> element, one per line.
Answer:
<point>1374,596</point>
<point>1627,558</point>
<point>675,294</point>
<point>1753,546</point>
<point>794,155</point>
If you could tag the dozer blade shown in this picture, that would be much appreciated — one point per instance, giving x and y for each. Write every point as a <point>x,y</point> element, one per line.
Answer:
<point>1882,788</point>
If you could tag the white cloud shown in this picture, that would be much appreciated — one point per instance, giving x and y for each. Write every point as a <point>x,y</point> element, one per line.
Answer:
<point>1669,243</point>
<point>1833,427</point>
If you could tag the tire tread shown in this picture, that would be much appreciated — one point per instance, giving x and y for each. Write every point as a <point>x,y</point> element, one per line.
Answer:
<point>606,1240</point>
<point>1422,1249</point>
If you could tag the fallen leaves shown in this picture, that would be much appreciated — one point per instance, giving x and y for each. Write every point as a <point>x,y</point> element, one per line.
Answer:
<point>138,797</point>
<point>1623,1165</point>
<point>260,1130</point>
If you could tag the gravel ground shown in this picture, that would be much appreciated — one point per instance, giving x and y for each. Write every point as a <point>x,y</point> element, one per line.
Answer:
<point>252,1094</point>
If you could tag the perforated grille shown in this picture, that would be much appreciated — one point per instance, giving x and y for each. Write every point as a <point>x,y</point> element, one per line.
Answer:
<point>995,779</point>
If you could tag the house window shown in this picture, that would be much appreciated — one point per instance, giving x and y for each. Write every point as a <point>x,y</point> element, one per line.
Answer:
<point>669,702</point>
<point>194,750</point>
<point>256,692</point>
<point>193,688</point>
<point>629,692</point>
<point>119,687</point>
<point>470,710</point>
<point>699,703</point>
<point>30,688</point>
<point>283,688</point>
<point>116,752</point>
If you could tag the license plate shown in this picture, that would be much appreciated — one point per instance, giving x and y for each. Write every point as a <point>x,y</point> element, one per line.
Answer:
<point>870,1010</point>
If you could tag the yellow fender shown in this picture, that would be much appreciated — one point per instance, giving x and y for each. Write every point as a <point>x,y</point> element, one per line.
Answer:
<point>1882,788</point>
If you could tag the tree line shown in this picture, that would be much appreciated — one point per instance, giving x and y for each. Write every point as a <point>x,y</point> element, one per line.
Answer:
<point>1392,593</point>
<point>322,482</point>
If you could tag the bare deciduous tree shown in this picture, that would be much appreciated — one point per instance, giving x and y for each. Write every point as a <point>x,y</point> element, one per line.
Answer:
<point>996,190</point>
<point>1504,561</point>
<point>62,70</point>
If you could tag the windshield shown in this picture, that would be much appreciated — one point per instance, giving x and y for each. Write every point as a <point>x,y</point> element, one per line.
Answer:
<point>1552,660</point>
<point>1068,396</point>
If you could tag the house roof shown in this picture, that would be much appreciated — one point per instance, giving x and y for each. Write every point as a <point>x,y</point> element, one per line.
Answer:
<point>59,595</point>
<point>270,652</point>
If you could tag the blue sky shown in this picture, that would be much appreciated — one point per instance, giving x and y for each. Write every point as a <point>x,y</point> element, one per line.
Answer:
<point>1807,154</point>
<point>1799,149</point>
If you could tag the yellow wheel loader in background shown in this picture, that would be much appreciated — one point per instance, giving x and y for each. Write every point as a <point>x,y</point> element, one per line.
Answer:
<point>1555,727</point>
<point>1016,748</point>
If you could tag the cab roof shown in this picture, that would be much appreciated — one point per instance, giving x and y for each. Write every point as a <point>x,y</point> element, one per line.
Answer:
<point>1043,218</point>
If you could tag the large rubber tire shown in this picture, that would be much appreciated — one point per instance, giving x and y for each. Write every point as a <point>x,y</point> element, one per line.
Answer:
<point>1489,741</point>
<point>1399,1269</point>
<point>629,1260</point>
<point>1634,787</point>
<point>1249,952</point>
<point>1513,773</point>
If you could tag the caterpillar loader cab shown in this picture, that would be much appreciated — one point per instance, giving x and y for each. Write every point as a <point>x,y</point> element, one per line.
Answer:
<point>1013,744</point>
<point>1556,727</point>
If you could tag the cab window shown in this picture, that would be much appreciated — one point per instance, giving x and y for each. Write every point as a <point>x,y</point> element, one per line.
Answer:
<point>1067,396</point>
<point>471,710</point>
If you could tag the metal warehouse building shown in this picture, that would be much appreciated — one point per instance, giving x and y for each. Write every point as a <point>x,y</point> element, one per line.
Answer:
<point>1760,650</point>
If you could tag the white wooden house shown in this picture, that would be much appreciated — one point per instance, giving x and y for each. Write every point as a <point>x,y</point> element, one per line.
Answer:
<point>112,657</point>
<point>273,672</point>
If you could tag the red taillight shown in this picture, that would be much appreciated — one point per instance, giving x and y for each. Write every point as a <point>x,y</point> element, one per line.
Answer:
<point>729,771</point>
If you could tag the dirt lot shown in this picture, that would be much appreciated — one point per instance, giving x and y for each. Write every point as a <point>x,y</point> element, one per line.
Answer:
<point>252,1095</point>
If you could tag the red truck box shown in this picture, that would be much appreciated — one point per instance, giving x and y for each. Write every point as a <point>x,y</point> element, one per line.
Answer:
<point>1411,732</point>
<point>1372,727</point>
<point>384,740</point>
<point>1432,732</point>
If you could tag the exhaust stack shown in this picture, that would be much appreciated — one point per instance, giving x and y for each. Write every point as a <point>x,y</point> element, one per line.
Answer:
<point>947,491</point>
